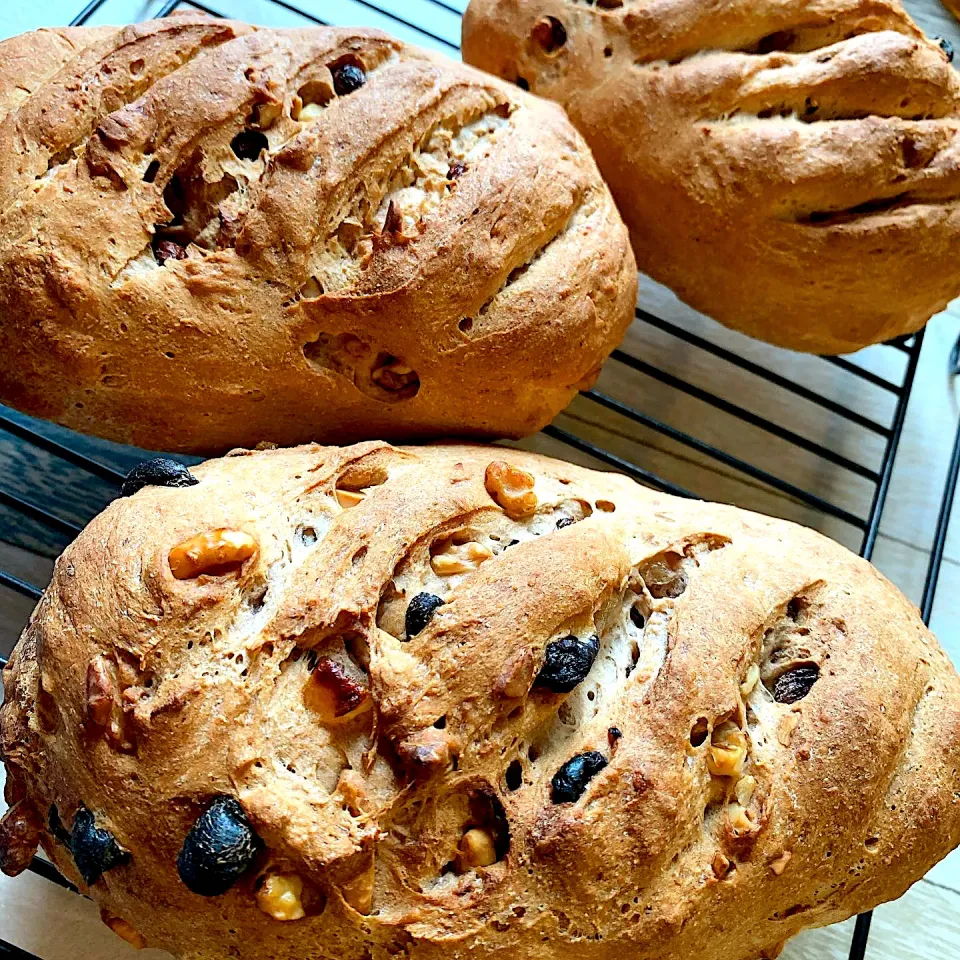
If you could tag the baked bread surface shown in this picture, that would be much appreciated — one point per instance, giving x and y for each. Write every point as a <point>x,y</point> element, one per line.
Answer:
<point>212,235</point>
<point>791,169</point>
<point>765,735</point>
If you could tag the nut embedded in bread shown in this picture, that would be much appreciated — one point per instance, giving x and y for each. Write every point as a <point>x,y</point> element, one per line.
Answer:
<point>788,167</point>
<point>657,727</point>
<point>212,235</point>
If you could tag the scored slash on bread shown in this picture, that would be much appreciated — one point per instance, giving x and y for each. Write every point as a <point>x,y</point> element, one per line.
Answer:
<point>212,235</point>
<point>791,169</point>
<point>631,724</point>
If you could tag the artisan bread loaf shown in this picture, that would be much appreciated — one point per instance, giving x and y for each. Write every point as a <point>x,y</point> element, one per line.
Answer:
<point>463,702</point>
<point>791,169</point>
<point>213,235</point>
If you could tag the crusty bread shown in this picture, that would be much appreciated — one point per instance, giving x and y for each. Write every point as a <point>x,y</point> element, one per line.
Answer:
<point>424,251</point>
<point>789,167</point>
<point>391,661</point>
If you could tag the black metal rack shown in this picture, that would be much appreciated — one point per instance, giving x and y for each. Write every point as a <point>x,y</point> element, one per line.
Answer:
<point>436,23</point>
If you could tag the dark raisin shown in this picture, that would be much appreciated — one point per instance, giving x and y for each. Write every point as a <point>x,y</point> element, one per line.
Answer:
<point>947,48</point>
<point>164,250</point>
<point>420,612</point>
<point>347,78</point>
<point>565,522</point>
<point>637,618</point>
<point>457,169</point>
<point>566,663</point>
<point>57,828</point>
<point>247,144</point>
<point>795,684</point>
<point>95,851</point>
<point>159,472</point>
<point>572,778</point>
<point>613,735</point>
<point>609,4</point>
<point>220,847</point>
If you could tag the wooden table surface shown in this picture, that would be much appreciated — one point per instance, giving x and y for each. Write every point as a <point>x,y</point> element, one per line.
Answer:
<point>926,922</point>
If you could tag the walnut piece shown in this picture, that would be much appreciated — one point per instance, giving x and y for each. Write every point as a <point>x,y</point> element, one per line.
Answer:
<point>740,822</point>
<point>750,681</point>
<point>516,678</point>
<point>788,723</point>
<point>100,692</point>
<point>780,864</point>
<point>310,111</point>
<point>215,552</point>
<point>460,558</point>
<point>349,498</point>
<point>511,488</point>
<point>123,930</point>
<point>728,751</point>
<point>280,897</point>
<point>19,838</point>
<point>721,866</point>
<point>745,789</point>
<point>358,891</point>
<point>477,849</point>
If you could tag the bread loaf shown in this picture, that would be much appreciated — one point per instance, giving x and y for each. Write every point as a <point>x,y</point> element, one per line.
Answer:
<point>463,702</point>
<point>212,235</point>
<point>789,167</point>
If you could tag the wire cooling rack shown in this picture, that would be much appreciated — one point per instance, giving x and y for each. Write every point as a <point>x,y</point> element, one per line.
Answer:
<point>40,523</point>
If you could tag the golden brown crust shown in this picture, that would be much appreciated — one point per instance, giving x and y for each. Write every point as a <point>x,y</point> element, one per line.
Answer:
<point>433,252</point>
<point>28,61</point>
<point>781,731</point>
<point>789,168</point>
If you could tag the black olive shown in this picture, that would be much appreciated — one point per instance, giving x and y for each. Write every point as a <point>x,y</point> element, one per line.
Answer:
<point>572,778</point>
<point>159,472</point>
<point>795,684</point>
<point>947,48</point>
<point>347,78</point>
<point>247,144</point>
<point>614,733</point>
<point>57,828</point>
<point>220,847</point>
<point>420,612</point>
<point>95,851</point>
<point>565,522</point>
<point>567,662</point>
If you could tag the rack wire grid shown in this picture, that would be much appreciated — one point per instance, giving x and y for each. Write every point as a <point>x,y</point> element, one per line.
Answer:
<point>436,24</point>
